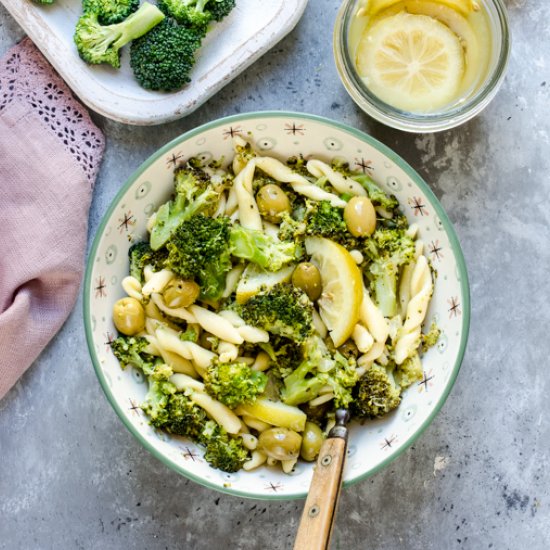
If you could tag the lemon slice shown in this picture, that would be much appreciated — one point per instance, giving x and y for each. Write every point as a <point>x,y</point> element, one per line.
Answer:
<point>412,62</point>
<point>464,6</point>
<point>474,66</point>
<point>342,294</point>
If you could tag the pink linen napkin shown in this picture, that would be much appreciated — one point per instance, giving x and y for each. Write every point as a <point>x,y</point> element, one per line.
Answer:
<point>50,152</point>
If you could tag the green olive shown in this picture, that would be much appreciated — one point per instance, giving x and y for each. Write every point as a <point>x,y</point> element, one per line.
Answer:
<point>307,277</point>
<point>272,202</point>
<point>349,349</point>
<point>360,217</point>
<point>312,440</point>
<point>129,316</point>
<point>280,443</point>
<point>180,293</point>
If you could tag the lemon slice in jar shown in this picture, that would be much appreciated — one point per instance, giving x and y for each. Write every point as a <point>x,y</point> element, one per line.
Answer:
<point>413,62</point>
<point>342,293</point>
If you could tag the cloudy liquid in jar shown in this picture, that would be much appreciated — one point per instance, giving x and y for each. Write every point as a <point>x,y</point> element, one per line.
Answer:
<point>421,56</point>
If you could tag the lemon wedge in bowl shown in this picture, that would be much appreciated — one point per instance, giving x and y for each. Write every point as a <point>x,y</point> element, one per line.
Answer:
<point>342,294</point>
<point>412,62</point>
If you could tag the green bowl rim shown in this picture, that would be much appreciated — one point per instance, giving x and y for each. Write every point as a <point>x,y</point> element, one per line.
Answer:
<point>453,239</point>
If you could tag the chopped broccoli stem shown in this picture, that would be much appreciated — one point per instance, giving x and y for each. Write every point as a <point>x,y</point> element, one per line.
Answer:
<point>260,248</point>
<point>376,195</point>
<point>302,385</point>
<point>388,251</point>
<point>320,368</point>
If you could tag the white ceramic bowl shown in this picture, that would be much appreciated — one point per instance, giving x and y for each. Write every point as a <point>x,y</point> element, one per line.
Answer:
<point>372,445</point>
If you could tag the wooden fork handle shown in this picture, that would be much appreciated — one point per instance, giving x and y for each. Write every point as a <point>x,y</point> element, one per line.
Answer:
<point>320,508</point>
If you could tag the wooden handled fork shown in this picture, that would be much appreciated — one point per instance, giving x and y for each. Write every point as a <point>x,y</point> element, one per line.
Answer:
<point>322,500</point>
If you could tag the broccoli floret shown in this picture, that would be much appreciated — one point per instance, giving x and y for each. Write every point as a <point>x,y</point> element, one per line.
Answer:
<point>220,8</point>
<point>342,378</point>
<point>429,340</point>
<point>199,250</point>
<point>388,250</point>
<point>376,393</point>
<point>291,229</point>
<point>164,57</point>
<point>283,309</point>
<point>234,383</point>
<point>409,372</point>
<point>190,13</point>
<point>177,414</point>
<point>156,401</point>
<point>111,11</point>
<point>194,194</point>
<point>260,248</point>
<point>129,351</point>
<point>182,417</point>
<point>191,334</point>
<point>285,355</point>
<point>224,451</point>
<point>97,43</point>
<point>325,220</point>
<point>191,179</point>
<point>303,384</point>
<point>320,368</point>
<point>141,254</point>
<point>196,13</point>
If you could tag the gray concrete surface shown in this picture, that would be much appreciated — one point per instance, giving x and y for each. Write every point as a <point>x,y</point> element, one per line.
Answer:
<point>72,477</point>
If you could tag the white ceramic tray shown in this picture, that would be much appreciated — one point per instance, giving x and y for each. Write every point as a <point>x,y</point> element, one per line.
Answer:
<point>252,28</point>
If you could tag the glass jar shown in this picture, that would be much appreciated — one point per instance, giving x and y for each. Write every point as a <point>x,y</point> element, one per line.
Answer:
<point>445,118</point>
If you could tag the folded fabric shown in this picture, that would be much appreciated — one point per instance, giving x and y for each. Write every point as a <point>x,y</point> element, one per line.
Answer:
<point>50,152</point>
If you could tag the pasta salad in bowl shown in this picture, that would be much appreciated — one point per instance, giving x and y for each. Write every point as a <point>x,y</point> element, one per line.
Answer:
<point>259,272</point>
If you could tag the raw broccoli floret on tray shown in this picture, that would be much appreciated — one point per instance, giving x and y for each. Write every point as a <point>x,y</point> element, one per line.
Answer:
<point>97,43</point>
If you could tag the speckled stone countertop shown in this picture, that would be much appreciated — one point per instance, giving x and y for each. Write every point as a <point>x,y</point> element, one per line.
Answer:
<point>73,477</point>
